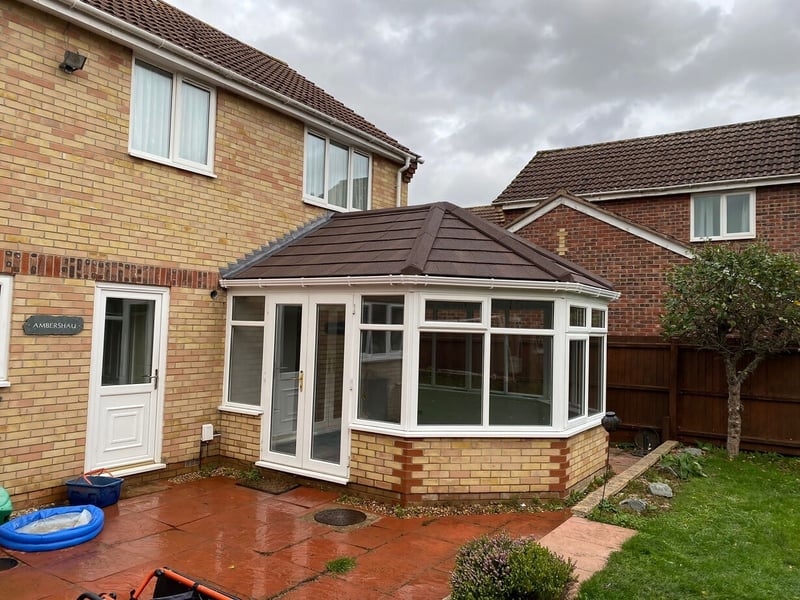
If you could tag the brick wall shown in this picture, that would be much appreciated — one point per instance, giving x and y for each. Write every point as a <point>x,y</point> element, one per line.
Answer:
<point>75,208</point>
<point>431,470</point>
<point>635,266</point>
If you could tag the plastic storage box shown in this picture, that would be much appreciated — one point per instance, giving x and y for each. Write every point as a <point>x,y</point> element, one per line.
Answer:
<point>99,490</point>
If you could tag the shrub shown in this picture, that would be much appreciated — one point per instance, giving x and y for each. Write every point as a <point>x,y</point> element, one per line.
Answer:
<point>502,568</point>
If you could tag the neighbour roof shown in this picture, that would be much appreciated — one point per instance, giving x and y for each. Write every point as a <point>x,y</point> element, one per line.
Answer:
<point>758,149</point>
<point>439,239</point>
<point>179,28</point>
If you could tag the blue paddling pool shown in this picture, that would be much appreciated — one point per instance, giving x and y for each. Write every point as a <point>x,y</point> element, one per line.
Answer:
<point>52,528</point>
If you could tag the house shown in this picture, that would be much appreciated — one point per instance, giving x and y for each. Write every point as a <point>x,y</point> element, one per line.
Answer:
<point>629,211</point>
<point>205,253</point>
<point>126,185</point>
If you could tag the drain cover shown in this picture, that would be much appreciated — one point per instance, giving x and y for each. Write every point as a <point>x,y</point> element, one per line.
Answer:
<point>340,517</point>
<point>8,563</point>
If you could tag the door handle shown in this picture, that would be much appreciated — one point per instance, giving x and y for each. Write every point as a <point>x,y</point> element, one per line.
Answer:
<point>154,379</point>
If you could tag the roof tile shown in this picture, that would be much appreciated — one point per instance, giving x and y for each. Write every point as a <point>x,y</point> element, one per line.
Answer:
<point>757,149</point>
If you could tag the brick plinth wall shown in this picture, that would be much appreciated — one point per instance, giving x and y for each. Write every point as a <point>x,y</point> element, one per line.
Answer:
<point>434,470</point>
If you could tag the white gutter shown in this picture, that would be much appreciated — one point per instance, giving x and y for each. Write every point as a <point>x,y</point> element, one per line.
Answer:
<point>424,281</point>
<point>128,35</point>
<point>709,186</point>
<point>400,171</point>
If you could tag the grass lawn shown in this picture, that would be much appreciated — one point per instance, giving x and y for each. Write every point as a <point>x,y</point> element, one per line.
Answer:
<point>732,534</point>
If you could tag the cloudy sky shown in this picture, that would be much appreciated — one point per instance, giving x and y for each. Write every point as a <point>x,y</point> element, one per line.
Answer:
<point>478,87</point>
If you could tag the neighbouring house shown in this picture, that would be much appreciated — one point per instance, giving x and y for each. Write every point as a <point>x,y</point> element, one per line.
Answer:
<point>206,254</point>
<point>629,210</point>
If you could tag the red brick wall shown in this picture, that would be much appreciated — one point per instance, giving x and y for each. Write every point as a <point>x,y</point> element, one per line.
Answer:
<point>635,266</point>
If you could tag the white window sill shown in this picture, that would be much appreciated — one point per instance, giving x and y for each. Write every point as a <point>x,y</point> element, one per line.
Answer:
<point>240,410</point>
<point>200,170</point>
<point>314,201</point>
<point>5,384</point>
<point>724,238</point>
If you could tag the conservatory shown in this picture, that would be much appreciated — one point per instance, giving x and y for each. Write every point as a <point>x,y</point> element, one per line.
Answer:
<point>421,354</point>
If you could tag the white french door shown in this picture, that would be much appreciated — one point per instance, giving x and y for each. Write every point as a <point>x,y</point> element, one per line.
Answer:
<point>305,425</point>
<point>126,378</point>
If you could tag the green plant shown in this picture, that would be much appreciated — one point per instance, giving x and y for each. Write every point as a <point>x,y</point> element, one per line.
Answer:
<point>341,565</point>
<point>251,475</point>
<point>502,568</point>
<point>683,465</point>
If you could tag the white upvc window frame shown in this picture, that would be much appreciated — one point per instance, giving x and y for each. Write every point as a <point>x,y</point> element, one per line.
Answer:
<point>324,200</point>
<point>173,157</point>
<point>723,216</point>
<point>6,294</point>
<point>239,407</point>
<point>585,333</point>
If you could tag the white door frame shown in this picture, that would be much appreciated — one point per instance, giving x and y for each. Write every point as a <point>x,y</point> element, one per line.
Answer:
<point>93,455</point>
<point>302,463</point>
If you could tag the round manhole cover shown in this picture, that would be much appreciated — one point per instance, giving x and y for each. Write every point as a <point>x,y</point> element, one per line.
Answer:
<point>340,517</point>
<point>8,563</point>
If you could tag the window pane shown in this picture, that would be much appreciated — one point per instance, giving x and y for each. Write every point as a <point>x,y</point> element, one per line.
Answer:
<point>577,316</point>
<point>151,109</point>
<point>128,341</point>
<point>450,379</point>
<point>738,213</point>
<point>244,372</point>
<point>454,312</point>
<point>315,166</point>
<point>360,181</point>
<point>598,318</point>
<point>380,380</point>
<point>195,107</point>
<point>248,308</point>
<point>706,216</point>
<point>382,310</point>
<point>522,314</point>
<point>337,175</point>
<point>577,383</point>
<point>521,388</point>
<point>596,360</point>
<point>326,437</point>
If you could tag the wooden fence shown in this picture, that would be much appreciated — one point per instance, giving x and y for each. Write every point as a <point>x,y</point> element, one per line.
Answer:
<point>680,392</point>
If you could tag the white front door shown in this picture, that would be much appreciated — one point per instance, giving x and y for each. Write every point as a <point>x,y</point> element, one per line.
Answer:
<point>127,374</point>
<point>304,424</point>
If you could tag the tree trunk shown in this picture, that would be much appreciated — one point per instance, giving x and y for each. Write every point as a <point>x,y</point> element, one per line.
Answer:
<point>734,416</point>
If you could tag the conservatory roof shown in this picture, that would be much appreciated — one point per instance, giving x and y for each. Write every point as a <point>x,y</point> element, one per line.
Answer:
<point>439,240</point>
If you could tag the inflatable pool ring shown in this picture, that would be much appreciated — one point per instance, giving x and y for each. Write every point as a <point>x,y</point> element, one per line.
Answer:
<point>11,537</point>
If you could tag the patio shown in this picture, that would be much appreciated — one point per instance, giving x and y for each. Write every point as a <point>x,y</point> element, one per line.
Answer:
<point>256,545</point>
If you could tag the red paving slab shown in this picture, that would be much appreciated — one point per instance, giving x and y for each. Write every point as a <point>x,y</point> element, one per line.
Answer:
<point>256,546</point>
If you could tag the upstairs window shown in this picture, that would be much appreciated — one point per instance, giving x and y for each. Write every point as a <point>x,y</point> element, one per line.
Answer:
<point>172,119</point>
<point>723,216</point>
<point>336,175</point>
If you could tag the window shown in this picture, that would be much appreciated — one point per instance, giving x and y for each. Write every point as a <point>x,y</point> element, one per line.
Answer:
<point>336,175</point>
<point>246,349</point>
<point>172,119</point>
<point>723,216</point>
<point>381,358</point>
<point>6,284</point>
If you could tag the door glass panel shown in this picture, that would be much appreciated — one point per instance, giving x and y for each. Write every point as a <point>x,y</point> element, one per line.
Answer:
<point>128,341</point>
<point>329,375</point>
<point>287,379</point>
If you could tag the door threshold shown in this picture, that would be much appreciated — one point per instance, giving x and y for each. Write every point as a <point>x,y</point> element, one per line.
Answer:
<point>340,479</point>
<point>136,469</point>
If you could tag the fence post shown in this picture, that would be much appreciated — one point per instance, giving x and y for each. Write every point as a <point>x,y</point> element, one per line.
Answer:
<point>672,418</point>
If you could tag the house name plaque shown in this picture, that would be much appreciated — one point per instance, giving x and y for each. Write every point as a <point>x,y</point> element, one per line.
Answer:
<point>52,325</point>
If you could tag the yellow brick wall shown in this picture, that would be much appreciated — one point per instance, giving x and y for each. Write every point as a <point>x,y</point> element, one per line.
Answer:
<point>430,470</point>
<point>75,208</point>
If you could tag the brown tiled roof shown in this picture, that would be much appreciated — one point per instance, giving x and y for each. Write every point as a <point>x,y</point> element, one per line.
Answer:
<point>768,148</point>
<point>493,214</point>
<point>439,239</point>
<point>177,27</point>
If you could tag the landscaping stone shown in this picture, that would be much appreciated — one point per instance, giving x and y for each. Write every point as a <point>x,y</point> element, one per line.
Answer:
<point>660,489</point>
<point>634,505</point>
<point>693,451</point>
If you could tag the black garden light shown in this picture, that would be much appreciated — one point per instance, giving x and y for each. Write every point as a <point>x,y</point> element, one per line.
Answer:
<point>610,423</point>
